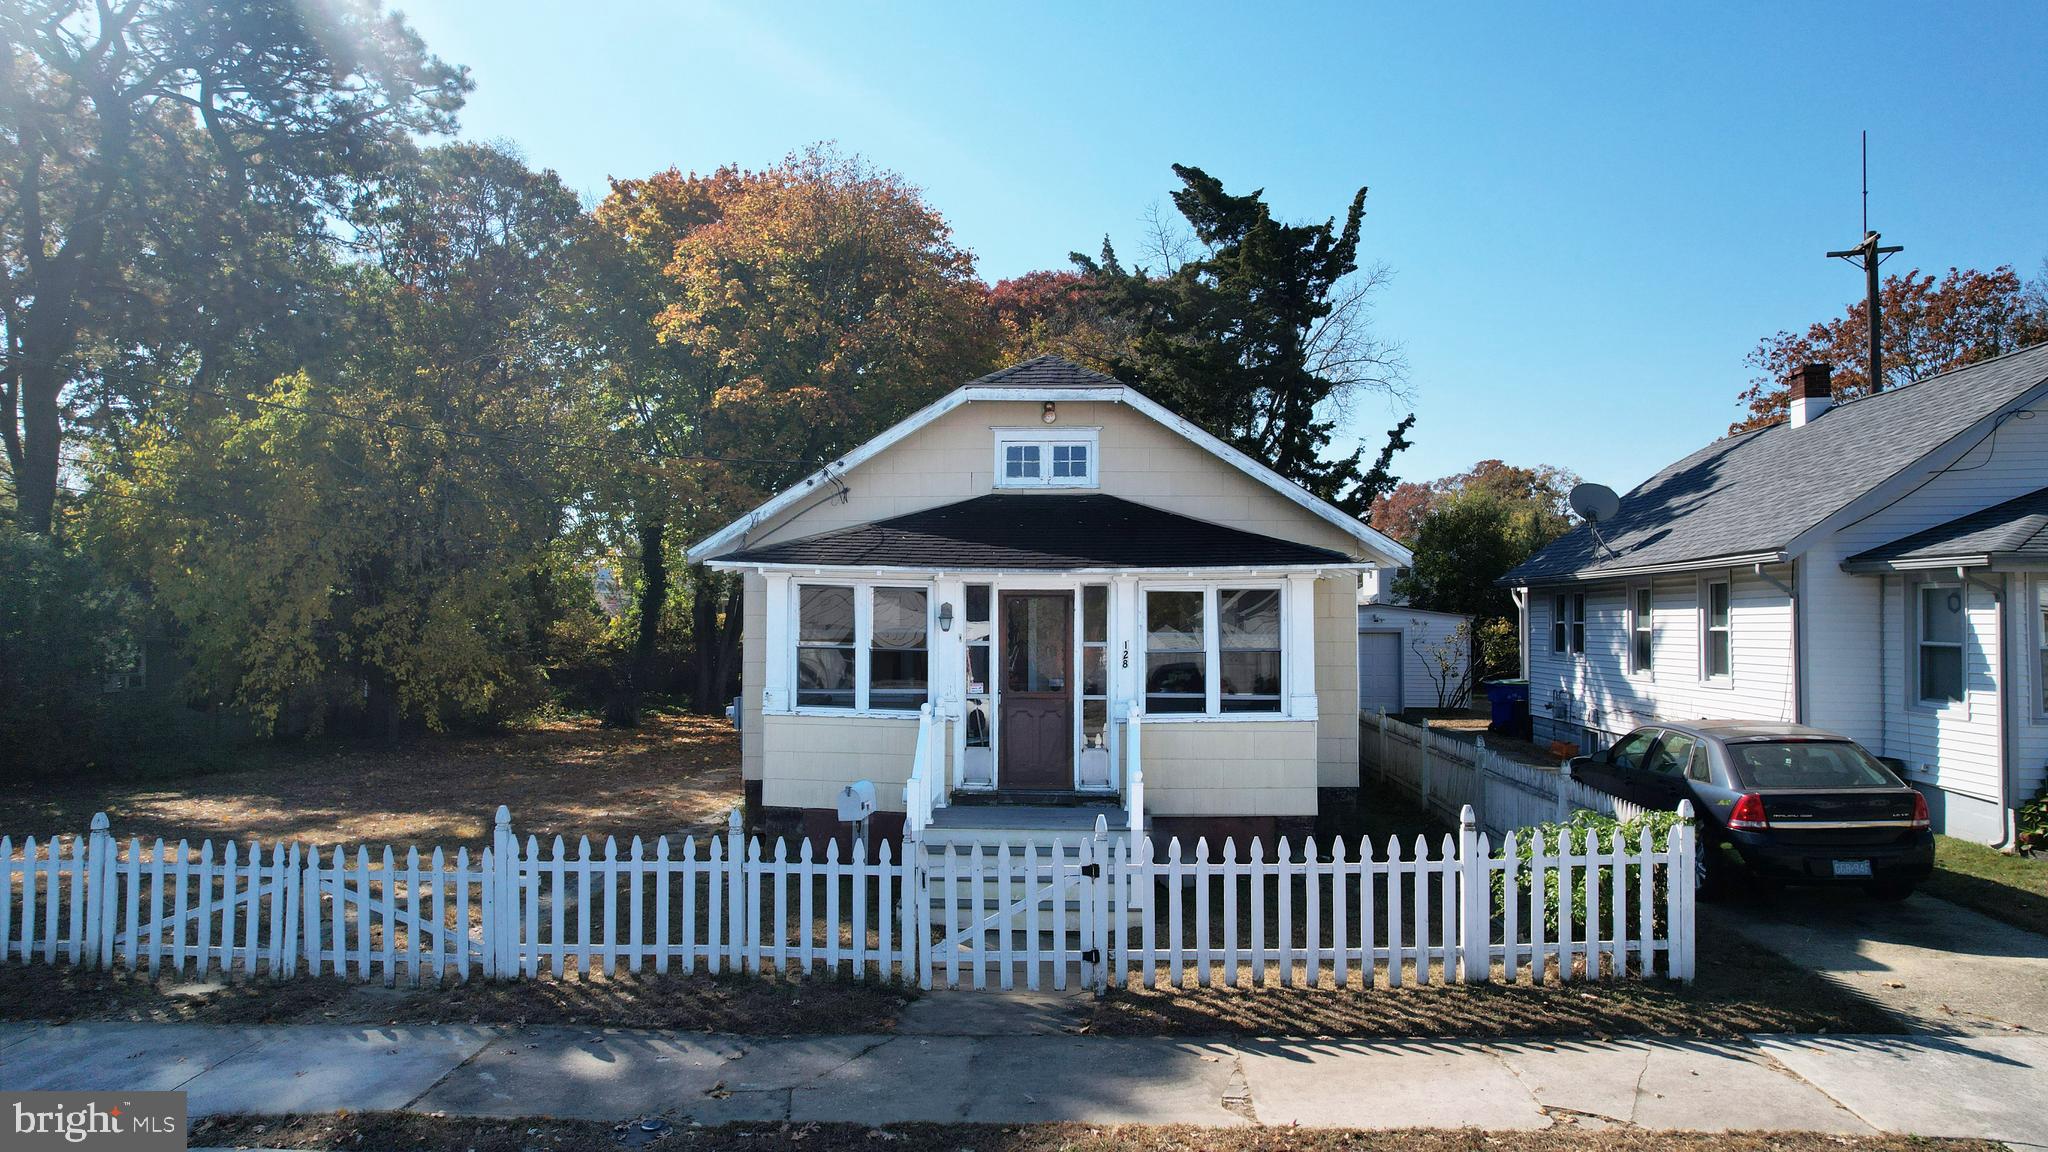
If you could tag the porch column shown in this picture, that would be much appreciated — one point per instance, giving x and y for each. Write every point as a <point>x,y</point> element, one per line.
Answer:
<point>1299,619</point>
<point>948,673</point>
<point>780,654</point>
<point>1126,648</point>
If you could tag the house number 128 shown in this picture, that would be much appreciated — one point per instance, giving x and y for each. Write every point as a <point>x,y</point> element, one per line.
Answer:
<point>1127,654</point>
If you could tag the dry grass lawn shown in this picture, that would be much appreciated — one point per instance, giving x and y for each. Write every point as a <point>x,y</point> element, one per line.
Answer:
<point>566,776</point>
<point>388,1130</point>
<point>746,1003</point>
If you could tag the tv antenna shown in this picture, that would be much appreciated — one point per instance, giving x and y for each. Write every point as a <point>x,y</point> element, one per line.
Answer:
<point>1867,256</point>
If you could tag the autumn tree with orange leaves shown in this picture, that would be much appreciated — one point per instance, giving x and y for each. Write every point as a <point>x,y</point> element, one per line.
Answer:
<point>1929,326</point>
<point>764,323</point>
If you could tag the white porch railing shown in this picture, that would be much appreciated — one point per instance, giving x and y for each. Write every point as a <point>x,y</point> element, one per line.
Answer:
<point>925,790</point>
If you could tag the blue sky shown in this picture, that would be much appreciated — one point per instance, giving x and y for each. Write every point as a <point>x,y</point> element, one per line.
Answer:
<point>1592,213</point>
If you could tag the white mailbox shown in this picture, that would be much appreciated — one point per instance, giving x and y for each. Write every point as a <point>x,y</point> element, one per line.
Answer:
<point>857,801</point>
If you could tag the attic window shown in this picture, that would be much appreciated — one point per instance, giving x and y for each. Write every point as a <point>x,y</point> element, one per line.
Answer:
<point>1045,458</point>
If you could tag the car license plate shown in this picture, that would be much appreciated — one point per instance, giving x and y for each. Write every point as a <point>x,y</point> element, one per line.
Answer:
<point>1852,867</point>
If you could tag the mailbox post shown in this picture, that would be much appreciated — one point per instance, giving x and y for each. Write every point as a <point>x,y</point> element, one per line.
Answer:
<point>856,805</point>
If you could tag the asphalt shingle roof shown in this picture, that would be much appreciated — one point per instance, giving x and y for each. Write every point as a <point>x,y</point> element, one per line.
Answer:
<point>1758,491</point>
<point>2014,530</point>
<point>1047,532</point>
<point>1046,372</point>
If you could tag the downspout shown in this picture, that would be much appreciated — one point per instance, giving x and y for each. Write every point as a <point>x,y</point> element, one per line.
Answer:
<point>1798,625</point>
<point>1884,689</point>
<point>1521,596</point>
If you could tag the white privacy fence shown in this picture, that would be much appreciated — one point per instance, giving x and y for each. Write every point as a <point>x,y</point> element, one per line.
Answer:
<point>1444,774</point>
<point>1095,913</point>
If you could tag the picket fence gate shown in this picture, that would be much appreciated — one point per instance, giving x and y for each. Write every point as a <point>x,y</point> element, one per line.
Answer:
<point>1095,914</point>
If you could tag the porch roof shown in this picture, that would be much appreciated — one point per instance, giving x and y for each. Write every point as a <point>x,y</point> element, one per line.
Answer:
<point>2013,534</point>
<point>1046,532</point>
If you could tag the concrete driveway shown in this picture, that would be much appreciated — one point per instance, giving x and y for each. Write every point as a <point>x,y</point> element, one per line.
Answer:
<point>1941,968</point>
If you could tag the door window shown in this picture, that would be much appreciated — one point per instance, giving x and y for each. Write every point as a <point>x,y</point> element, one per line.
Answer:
<point>1035,641</point>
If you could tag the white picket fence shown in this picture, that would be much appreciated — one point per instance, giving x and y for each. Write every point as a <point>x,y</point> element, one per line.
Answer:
<point>1444,774</point>
<point>1095,914</point>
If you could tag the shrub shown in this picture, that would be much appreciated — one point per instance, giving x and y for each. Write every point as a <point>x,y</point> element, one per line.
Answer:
<point>60,624</point>
<point>1587,830</point>
<point>2032,830</point>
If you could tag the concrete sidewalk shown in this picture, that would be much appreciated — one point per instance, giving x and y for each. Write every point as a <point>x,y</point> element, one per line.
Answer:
<point>1985,1086</point>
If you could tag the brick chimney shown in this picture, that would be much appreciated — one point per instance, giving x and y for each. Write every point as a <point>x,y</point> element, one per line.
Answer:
<point>1813,392</point>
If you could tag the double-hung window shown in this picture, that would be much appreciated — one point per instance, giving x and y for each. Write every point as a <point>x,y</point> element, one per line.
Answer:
<point>1213,651</point>
<point>1940,643</point>
<point>2041,645</point>
<point>1046,458</point>
<point>1717,631</point>
<point>862,647</point>
<point>1568,622</point>
<point>1641,637</point>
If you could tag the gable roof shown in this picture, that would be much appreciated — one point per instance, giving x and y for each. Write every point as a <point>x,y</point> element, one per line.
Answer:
<point>2015,532</point>
<point>1748,497</point>
<point>1047,372</point>
<point>1045,532</point>
<point>1047,378</point>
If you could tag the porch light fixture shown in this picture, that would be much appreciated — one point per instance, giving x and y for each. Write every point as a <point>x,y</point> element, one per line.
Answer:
<point>1051,414</point>
<point>946,617</point>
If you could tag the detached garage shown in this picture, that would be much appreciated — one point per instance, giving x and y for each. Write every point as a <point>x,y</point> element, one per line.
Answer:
<point>1393,671</point>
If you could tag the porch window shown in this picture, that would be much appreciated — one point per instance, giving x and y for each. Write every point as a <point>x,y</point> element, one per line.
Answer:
<point>1941,643</point>
<point>1248,633</point>
<point>824,646</point>
<point>1640,636</point>
<point>1213,651</point>
<point>898,660</point>
<point>1176,653</point>
<point>861,647</point>
<point>978,762</point>
<point>1716,631</point>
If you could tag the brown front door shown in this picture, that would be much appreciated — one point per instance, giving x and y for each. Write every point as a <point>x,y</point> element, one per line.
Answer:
<point>1037,690</point>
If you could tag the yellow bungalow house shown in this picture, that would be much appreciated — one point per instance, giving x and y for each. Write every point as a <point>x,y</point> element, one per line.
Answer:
<point>1042,599</point>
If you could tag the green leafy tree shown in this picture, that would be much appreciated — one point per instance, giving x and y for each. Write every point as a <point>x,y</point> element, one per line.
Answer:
<point>380,535</point>
<point>156,153</point>
<point>1260,334</point>
<point>789,315</point>
<point>60,623</point>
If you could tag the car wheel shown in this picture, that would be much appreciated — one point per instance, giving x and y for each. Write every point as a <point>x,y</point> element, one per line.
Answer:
<point>1890,891</point>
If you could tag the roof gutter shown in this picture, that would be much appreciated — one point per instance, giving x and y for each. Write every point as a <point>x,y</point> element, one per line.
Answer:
<point>1600,575</point>
<point>1182,571</point>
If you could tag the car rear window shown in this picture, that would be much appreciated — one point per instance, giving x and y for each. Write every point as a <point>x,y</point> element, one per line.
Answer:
<point>1808,764</point>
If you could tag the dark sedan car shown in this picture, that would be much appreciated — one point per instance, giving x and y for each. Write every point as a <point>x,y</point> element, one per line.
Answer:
<point>1793,804</point>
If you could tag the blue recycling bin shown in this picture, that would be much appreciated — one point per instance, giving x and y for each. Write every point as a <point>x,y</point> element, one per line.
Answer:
<point>1508,701</point>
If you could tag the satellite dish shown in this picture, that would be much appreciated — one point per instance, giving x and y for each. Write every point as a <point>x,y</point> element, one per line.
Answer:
<point>1595,503</point>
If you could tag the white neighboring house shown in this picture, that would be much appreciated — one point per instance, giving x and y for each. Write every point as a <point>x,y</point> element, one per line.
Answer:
<point>1393,671</point>
<point>1877,567</point>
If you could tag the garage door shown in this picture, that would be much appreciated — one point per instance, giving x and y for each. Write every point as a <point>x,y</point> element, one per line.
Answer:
<point>1379,671</point>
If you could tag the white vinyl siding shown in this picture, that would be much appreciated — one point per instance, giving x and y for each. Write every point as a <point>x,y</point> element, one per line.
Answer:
<point>1569,693</point>
<point>1409,633</point>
